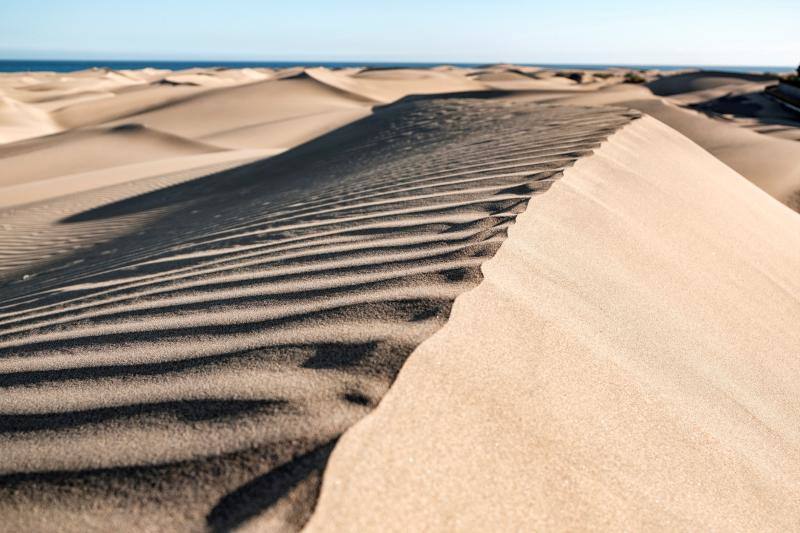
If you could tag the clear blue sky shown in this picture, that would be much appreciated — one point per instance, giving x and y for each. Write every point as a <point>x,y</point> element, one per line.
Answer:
<point>699,32</point>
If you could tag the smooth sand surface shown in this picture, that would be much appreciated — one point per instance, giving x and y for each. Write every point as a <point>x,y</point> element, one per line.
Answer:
<point>113,120</point>
<point>388,85</point>
<point>175,168</point>
<point>754,136</point>
<point>91,149</point>
<point>703,80</point>
<point>746,105</point>
<point>208,276</point>
<point>21,121</point>
<point>224,110</point>
<point>628,362</point>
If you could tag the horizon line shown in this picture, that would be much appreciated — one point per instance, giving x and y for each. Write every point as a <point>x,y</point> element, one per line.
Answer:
<point>300,62</point>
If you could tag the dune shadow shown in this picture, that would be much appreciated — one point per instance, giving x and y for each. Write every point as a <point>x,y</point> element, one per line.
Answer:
<point>312,276</point>
<point>280,170</point>
<point>697,80</point>
<point>184,410</point>
<point>335,355</point>
<point>755,106</point>
<point>303,474</point>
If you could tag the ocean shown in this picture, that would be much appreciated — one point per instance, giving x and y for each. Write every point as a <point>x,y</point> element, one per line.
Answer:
<point>23,65</point>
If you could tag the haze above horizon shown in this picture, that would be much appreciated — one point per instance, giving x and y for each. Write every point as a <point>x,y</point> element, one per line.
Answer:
<point>712,32</point>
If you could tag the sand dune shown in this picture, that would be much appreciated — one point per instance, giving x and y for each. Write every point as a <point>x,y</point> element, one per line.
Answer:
<point>650,385</point>
<point>222,110</point>
<point>511,78</point>
<point>389,85</point>
<point>142,328</point>
<point>771,162</point>
<point>192,112</point>
<point>702,80</point>
<point>217,77</point>
<point>43,87</point>
<point>168,169</point>
<point>123,104</point>
<point>21,121</point>
<point>95,96</point>
<point>282,134</point>
<point>85,150</point>
<point>745,105</point>
<point>208,276</point>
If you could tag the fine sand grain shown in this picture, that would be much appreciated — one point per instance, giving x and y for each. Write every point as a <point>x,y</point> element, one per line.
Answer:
<point>628,362</point>
<point>208,276</point>
<point>185,354</point>
<point>751,136</point>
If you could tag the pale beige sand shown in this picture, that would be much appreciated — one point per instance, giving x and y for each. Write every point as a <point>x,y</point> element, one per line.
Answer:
<point>746,105</point>
<point>764,152</point>
<point>769,162</point>
<point>196,112</point>
<point>188,166</point>
<point>127,125</point>
<point>21,121</point>
<point>218,77</point>
<point>389,85</point>
<point>122,104</point>
<point>44,86</point>
<point>224,110</point>
<point>182,354</point>
<point>206,277</point>
<point>183,113</point>
<point>63,101</point>
<point>628,362</point>
<point>672,85</point>
<point>91,149</point>
<point>739,99</point>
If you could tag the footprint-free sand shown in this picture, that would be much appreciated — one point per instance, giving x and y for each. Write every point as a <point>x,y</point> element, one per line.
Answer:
<point>388,299</point>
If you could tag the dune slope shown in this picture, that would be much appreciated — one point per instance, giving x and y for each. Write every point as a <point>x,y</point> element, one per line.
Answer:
<point>221,111</point>
<point>184,354</point>
<point>703,80</point>
<point>768,161</point>
<point>85,150</point>
<point>163,170</point>
<point>21,121</point>
<point>629,361</point>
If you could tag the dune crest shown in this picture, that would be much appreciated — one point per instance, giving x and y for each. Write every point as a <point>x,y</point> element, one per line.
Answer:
<point>651,384</point>
<point>757,140</point>
<point>215,336</point>
<point>209,275</point>
<point>20,121</point>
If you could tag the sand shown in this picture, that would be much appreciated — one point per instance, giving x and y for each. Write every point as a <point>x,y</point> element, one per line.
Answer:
<point>221,333</point>
<point>625,364</point>
<point>742,127</point>
<point>728,114</point>
<point>210,278</point>
<point>110,120</point>
<point>57,155</point>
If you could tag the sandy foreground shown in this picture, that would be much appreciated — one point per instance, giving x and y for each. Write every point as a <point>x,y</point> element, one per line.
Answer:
<point>503,298</point>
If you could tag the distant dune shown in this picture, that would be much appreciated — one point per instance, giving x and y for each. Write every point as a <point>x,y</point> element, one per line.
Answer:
<point>387,299</point>
<point>768,158</point>
<point>91,149</point>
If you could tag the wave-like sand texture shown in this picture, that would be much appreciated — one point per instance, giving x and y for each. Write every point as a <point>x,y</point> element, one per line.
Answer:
<point>186,351</point>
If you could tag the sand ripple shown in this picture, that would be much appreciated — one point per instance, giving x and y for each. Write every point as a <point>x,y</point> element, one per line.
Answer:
<point>187,351</point>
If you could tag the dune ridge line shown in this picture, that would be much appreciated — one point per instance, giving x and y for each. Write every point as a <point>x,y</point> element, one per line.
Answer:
<point>214,336</point>
<point>651,384</point>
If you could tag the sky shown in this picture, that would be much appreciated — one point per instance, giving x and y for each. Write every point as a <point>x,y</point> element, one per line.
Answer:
<point>631,32</point>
